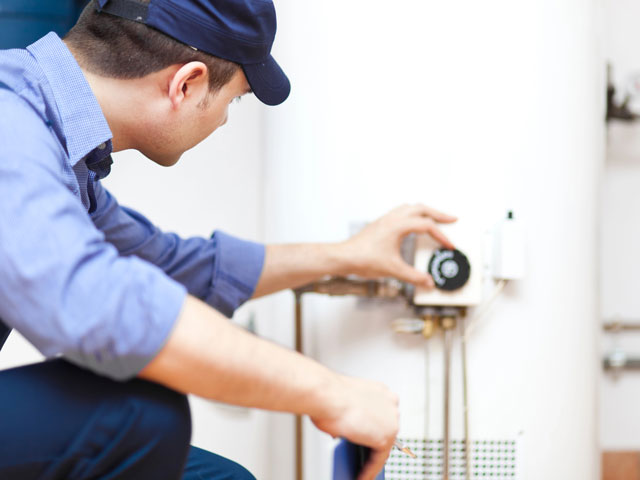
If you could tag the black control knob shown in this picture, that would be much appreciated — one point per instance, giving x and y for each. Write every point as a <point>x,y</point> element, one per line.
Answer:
<point>450,269</point>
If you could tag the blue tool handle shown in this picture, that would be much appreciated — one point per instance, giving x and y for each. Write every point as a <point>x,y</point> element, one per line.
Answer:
<point>4,333</point>
<point>348,460</point>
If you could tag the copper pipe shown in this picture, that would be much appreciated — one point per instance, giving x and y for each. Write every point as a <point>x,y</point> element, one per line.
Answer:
<point>339,286</point>
<point>447,388</point>
<point>616,326</point>
<point>298,427</point>
<point>632,363</point>
<point>334,286</point>
<point>465,395</point>
<point>448,324</point>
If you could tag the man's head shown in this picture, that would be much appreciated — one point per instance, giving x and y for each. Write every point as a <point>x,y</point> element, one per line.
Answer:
<point>152,66</point>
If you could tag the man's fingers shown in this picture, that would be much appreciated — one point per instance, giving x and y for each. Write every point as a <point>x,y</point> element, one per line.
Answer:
<point>424,211</point>
<point>440,237</point>
<point>426,225</point>
<point>374,465</point>
<point>407,273</point>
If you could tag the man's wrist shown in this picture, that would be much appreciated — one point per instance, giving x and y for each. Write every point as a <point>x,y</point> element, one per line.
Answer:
<point>329,396</point>
<point>341,258</point>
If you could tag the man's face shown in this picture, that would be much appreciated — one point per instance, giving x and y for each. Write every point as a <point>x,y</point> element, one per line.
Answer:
<point>192,123</point>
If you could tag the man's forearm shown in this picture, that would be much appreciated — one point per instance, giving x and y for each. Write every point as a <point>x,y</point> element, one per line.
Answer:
<point>208,356</point>
<point>290,266</point>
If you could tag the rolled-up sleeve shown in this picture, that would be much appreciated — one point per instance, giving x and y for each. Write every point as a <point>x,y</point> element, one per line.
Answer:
<point>62,286</point>
<point>222,270</point>
<point>237,268</point>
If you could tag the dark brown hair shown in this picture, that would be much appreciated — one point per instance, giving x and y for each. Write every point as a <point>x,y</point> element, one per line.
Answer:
<point>114,47</point>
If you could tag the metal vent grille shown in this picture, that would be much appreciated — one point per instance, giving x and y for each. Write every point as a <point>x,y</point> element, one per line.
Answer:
<point>490,460</point>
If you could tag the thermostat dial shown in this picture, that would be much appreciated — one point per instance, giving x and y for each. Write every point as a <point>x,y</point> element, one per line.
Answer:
<point>450,269</point>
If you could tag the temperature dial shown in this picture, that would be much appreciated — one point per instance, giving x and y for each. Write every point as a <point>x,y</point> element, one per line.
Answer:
<point>450,269</point>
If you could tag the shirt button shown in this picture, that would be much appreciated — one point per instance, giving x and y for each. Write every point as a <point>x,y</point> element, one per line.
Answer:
<point>102,146</point>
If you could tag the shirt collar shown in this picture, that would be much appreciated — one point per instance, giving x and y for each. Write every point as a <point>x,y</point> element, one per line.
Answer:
<point>83,123</point>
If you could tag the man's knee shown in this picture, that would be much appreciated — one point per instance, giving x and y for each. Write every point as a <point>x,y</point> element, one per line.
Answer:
<point>164,419</point>
<point>238,472</point>
<point>133,430</point>
<point>202,464</point>
<point>153,432</point>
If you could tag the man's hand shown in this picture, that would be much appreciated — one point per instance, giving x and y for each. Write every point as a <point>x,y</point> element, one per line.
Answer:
<point>368,416</point>
<point>372,253</point>
<point>375,251</point>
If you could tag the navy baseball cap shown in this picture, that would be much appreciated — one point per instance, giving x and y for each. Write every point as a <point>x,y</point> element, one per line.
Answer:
<point>241,31</point>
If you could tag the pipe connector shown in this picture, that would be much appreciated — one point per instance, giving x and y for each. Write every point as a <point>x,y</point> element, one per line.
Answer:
<point>429,326</point>
<point>408,325</point>
<point>448,322</point>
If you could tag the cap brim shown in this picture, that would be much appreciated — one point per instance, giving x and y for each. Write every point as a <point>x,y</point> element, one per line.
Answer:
<point>268,82</point>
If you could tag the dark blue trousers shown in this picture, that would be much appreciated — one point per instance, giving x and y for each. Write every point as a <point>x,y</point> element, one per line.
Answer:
<point>59,422</point>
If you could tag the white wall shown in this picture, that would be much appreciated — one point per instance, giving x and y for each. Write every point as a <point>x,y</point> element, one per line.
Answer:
<point>620,234</point>
<point>472,107</point>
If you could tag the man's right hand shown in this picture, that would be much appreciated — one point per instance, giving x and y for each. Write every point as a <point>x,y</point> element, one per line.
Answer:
<point>366,413</point>
<point>206,355</point>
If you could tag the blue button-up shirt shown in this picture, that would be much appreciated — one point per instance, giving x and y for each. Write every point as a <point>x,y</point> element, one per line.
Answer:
<point>81,276</point>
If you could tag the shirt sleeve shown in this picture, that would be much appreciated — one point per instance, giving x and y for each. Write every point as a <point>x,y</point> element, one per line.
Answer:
<point>222,271</point>
<point>62,286</point>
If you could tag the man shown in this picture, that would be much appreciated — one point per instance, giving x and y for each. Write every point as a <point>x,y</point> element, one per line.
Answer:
<point>98,285</point>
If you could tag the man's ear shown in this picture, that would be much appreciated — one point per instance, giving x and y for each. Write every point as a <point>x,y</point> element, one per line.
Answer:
<point>189,82</point>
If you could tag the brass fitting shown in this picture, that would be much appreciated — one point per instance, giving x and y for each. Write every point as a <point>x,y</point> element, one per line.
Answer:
<point>448,322</point>
<point>429,327</point>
